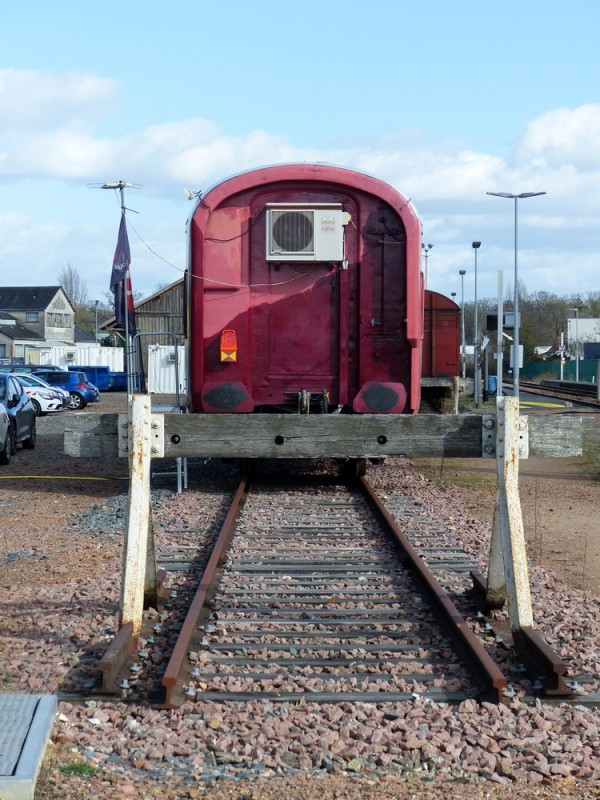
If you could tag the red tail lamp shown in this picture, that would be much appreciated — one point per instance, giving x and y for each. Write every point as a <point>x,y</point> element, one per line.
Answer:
<point>229,345</point>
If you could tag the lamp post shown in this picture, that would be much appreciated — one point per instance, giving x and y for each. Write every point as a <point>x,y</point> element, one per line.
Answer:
<point>96,306</point>
<point>426,249</point>
<point>462,273</point>
<point>516,359</point>
<point>476,246</point>
<point>576,310</point>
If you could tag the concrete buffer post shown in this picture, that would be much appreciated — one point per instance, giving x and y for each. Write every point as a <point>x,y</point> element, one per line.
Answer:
<point>508,575</point>
<point>139,564</point>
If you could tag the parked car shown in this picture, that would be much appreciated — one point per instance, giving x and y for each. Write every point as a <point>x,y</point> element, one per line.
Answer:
<point>25,368</point>
<point>6,441</point>
<point>44,398</point>
<point>20,410</point>
<point>76,383</point>
<point>33,381</point>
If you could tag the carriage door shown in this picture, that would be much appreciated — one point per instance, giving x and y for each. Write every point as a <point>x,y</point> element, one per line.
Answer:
<point>295,305</point>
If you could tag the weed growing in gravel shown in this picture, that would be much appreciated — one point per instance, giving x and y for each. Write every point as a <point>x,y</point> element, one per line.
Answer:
<point>79,768</point>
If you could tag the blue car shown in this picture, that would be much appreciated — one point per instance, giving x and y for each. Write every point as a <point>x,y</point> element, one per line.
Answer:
<point>21,413</point>
<point>76,383</point>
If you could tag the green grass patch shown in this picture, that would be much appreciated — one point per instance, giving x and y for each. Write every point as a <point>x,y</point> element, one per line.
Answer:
<point>79,768</point>
<point>443,472</point>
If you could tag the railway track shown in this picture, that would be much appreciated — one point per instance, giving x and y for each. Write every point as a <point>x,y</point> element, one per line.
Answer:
<point>312,589</point>
<point>581,394</point>
<point>314,593</point>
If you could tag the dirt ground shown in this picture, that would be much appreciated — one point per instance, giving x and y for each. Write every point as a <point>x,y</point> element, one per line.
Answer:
<point>560,503</point>
<point>560,500</point>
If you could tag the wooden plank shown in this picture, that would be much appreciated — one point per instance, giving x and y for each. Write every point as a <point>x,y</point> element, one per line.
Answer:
<point>555,435</point>
<point>91,435</point>
<point>316,436</point>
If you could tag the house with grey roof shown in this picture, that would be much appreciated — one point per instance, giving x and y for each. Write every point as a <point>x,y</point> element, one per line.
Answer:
<point>31,316</point>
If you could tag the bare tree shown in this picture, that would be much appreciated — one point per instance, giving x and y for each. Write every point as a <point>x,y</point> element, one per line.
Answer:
<point>73,285</point>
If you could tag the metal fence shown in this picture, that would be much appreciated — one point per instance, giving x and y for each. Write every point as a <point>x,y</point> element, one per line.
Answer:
<point>551,370</point>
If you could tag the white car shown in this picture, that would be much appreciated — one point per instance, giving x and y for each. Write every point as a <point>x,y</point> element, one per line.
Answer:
<point>44,397</point>
<point>7,445</point>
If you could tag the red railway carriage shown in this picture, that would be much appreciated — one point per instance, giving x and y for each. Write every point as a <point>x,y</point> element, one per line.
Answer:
<point>305,294</point>
<point>441,336</point>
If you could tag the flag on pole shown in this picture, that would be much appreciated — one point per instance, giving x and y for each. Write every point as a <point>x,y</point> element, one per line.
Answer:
<point>120,281</point>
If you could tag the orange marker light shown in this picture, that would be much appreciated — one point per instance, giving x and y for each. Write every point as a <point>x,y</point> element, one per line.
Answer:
<point>229,345</point>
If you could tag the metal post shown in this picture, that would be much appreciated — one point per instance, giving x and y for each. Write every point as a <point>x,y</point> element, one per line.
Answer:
<point>576,310</point>
<point>510,518</point>
<point>476,246</point>
<point>426,249</point>
<point>500,340</point>
<point>462,273</point>
<point>96,305</point>
<point>516,344</point>
<point>139,526</point>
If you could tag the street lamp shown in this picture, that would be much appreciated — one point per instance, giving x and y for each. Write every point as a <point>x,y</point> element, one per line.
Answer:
<point>462,273</point>
<point>96,305</point>
<point>576,310</point>
<point>516,359</point>
<point>426,249</point>
<point>476,246</point>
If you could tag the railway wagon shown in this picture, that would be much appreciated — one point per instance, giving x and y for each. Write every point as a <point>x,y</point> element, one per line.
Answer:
<point>305,294</point>
<point>441,336</point>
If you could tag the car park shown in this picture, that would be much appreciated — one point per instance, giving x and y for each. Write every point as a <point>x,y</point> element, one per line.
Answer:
<point>76,383</point>
<point>44,399</point>
<point>34,382</point>
<point>6,440</point>
<point>20,410</point>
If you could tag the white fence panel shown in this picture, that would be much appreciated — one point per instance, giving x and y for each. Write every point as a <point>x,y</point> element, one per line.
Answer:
<point>161,369</point>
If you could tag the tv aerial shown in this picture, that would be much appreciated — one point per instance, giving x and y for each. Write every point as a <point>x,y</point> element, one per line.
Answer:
<point>119,186</point>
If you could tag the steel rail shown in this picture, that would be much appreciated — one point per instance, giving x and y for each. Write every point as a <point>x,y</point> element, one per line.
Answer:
<point>491,682</point>
<point>172,678</point>
<point>582,395</point>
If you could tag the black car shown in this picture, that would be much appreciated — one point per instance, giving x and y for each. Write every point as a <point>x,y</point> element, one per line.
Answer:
<point>20,410</point>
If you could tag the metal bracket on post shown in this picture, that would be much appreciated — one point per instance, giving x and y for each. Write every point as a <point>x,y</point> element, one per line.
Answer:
<point>523,437</point>
<point>488,436</point>
<point>157,435</point>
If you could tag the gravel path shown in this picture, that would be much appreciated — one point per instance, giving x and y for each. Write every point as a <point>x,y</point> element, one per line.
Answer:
<point>60,569</point>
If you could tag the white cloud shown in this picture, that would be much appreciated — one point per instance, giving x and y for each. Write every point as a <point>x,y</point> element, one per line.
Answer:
<point>562,136</point>
<point>48,135</point>
<point>32,99</point>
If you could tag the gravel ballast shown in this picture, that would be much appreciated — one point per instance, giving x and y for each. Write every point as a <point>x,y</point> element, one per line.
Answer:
<point>60,585</point>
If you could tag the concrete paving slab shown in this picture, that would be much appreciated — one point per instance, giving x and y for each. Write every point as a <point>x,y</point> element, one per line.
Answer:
<point>26,722</point>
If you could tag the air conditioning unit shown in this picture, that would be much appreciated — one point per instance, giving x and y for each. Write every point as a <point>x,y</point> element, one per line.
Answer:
<point>300,232</point>
<point>171,358</point>
<point>70,356</point>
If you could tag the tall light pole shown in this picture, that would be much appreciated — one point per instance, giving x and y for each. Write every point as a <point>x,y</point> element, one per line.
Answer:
<point>462,273</point>
<point>576,310</point>
<point>516,347</point>
<point>476,246</point>
<point>426,249</point>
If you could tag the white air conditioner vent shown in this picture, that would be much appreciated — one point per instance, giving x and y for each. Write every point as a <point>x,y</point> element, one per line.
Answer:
<point>171,358</point>
<point>305,233</point>
<point>70,356</point>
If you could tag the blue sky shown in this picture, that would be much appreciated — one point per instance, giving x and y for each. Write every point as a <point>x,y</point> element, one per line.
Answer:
<point>445,101</point>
